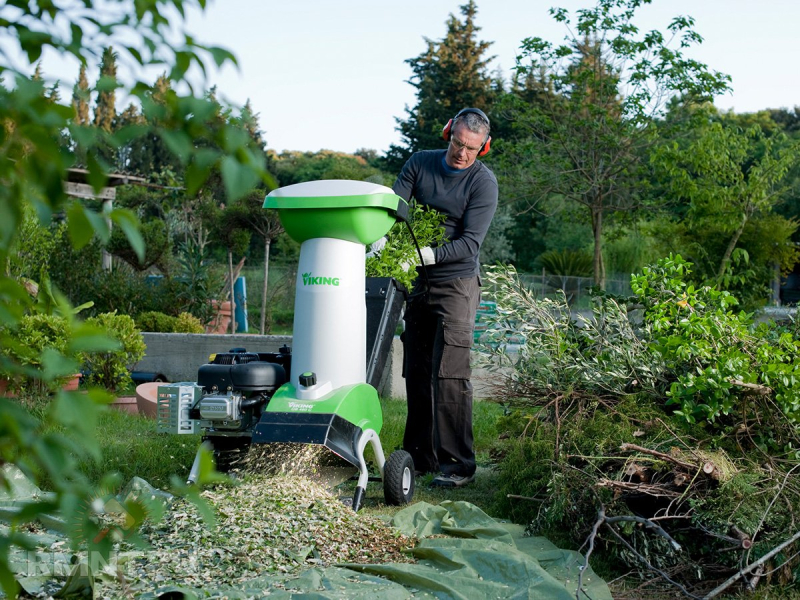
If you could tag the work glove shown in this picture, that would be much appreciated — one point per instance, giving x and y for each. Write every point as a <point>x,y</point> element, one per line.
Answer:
<point>428,257</point>
<point>376,247</point>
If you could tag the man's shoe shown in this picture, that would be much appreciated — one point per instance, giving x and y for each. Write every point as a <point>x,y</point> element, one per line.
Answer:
<point>452,480</point>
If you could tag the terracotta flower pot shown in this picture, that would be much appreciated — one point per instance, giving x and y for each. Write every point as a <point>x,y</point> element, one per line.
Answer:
<point>72,384</point>
<point>126,403</point>
<point>221,321</point>
<point>147,398</point>
<point>5,390</point>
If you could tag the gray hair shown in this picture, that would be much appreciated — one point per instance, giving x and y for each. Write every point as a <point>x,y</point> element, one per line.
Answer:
<point>475,123</point>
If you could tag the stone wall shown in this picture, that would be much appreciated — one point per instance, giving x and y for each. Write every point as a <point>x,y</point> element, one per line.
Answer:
<point>177,356</point>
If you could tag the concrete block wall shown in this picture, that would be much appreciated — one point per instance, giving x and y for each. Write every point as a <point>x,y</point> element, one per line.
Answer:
<point>177,356</point>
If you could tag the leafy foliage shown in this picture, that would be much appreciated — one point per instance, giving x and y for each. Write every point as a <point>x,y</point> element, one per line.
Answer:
<point>292,167</point>
<point>587,426</point>
<point>159,322</point>
<point>727,174</point>
<point>712,353</point>
<point>566,262</point>
<point>541,350</point>
<point>710,361</point>
<point>36,341</point>
<point>399,255</point>
<point>32,123</point>
<point>110,369</point>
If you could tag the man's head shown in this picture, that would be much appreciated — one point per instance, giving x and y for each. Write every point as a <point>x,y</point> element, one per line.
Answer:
<point>468,137</point>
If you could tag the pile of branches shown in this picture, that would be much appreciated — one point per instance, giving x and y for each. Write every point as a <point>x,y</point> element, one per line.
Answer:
<point>668,440</point>
<point>665,509</point>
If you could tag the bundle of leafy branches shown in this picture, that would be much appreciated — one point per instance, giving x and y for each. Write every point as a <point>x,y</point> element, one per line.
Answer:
<point>399,257</point>
<point>660,433</point>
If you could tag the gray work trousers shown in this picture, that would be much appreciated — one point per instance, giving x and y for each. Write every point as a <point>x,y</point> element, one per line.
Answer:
<point>437,341</point>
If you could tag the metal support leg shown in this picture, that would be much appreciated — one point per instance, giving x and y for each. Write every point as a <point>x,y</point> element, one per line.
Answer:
<point>368,436</point>
<point>195,472</point>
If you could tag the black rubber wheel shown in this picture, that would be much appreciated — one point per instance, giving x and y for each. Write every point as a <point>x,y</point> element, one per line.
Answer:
<point>229,452</point>
<point>398,478</point>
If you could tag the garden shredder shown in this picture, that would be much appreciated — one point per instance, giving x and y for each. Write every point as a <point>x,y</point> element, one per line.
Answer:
<point>317,392</point>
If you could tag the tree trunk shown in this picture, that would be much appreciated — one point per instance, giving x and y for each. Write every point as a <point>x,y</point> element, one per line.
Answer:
<point>726,258</point>
<point>233,296</point>
<point>267,243</point>
<point>598,265</point>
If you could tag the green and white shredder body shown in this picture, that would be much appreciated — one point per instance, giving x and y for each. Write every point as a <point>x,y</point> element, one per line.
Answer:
<point>327,400</point>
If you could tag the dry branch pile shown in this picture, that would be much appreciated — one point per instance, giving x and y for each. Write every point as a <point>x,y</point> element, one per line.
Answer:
<point>676,510</point>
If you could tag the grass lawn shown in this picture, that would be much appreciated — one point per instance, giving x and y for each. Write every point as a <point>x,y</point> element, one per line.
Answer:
<point>131,447</point>
<point>480,492</point>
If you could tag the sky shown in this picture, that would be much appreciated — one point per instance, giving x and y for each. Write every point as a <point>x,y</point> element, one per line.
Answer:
<point>332,75</point>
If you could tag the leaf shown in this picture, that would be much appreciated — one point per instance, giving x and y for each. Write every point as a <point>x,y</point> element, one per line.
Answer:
<point>97,177</point>
<point>221,56</point>
<point>178,143</point>
<point>55,365</point>
<point>195,176</point>
<point>87,338</point>
<point>131,228</point>
<point>79,227</point>
<point>76,411</point>
<point>238,178</point>
<point>79,584</point>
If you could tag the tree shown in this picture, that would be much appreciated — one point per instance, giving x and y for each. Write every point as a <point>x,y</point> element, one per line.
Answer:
<point>105,111</point>
<point>296,167</point>
<point>249,121</point>
<point>451,74</point>
<point>250,213</point>
<point>728,173</point>
<point>149,153</point>
<point>48,448</point>
<point>588,141</point>
<point>229,229</point>
<point>80,98</point>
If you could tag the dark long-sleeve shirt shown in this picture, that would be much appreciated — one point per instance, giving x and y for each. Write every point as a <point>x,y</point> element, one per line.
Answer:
<point>468,198</point>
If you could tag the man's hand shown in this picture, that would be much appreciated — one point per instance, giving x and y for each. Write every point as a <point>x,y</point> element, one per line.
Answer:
<point>428,257</point>
<point>376,247</point>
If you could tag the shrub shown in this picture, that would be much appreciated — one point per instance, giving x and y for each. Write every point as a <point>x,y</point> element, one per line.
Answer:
<point>110,369</point>
<point>34,335</point>
<point>710,361</point>
<point>573,263</point>
<point>155,321</point>
<point>716,359</point>
<point>158,322</point>
<point>188,323</point>
<point>558,354</point>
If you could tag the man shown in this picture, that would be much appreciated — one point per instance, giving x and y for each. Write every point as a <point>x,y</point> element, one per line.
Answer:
<point>440,320</point>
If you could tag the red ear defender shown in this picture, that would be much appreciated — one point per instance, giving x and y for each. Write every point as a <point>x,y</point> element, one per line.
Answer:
<point>486,147</point>
<point>446,131</point>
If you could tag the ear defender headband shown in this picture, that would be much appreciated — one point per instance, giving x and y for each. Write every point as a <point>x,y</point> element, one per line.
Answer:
<point>485,147</point>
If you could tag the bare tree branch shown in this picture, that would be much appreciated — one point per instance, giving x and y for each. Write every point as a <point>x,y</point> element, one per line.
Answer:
<point>751,567</point>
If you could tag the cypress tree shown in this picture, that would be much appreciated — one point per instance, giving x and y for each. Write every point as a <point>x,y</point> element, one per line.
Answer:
<point>80,98</point>
<point>450,74</point>
<point>105,111</point>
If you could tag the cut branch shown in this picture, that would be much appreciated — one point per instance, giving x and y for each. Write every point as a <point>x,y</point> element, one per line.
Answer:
<point>708,468</point>
<point>751,567</point>
<point>754,388</point>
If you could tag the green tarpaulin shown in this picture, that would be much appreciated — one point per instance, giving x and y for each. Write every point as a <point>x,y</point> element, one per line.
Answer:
<point>463,553</point>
